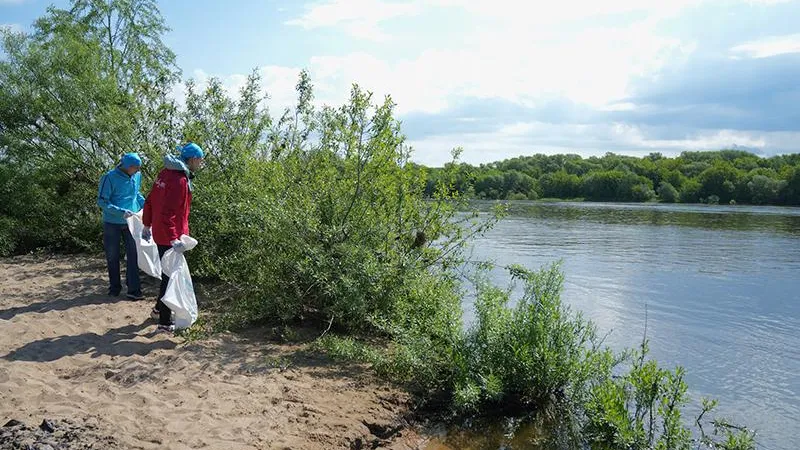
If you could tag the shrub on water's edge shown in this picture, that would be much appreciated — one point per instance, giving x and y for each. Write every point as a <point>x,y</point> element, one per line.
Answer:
<point>532,355</point>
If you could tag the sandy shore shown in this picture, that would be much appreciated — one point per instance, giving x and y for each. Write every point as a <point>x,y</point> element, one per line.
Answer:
<point>70,353</point>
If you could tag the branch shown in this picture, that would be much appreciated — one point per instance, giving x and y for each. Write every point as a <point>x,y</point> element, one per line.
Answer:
<point>359,168</point>
<point>110,41</point>
<point>327,329</point>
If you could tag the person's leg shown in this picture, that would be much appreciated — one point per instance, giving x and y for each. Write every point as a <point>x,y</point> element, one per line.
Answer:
<point>132,256</point>
<point>111,237</point>
<point>164,313</point>
<point>161,291</point>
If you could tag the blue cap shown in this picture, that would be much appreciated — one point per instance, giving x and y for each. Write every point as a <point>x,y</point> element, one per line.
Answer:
<point>130,159</point>
<point>191,150</point>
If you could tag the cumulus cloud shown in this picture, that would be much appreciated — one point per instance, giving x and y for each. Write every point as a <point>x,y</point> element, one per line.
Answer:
<point>277,82</point>
<point>577,76</point>
<point>767,47</point>
<point>592,139</point>
<point>514,56</point>
<point>359,18</point>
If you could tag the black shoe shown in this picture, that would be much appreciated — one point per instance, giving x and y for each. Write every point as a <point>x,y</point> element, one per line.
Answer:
<point>112,293</point>
<point>135,296</point>
<point>166,329</point>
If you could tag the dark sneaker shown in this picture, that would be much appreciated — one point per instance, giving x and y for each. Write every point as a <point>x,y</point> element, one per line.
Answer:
<point>154,314</point>
<point>166,329</point>
<point>138,296</point>
<point>113,293</point>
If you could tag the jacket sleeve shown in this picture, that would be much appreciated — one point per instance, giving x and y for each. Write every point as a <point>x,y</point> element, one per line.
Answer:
<point>172,209</point>
<point>147,215</point>
<point>139,197</point>
<point>140,200</point>
<point>104,198</point>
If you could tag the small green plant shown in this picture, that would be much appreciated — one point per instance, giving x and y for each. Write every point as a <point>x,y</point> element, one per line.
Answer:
<point>724,436</point>
<point>643,409</point>
<point>199,330</point>
<point>639,410</point>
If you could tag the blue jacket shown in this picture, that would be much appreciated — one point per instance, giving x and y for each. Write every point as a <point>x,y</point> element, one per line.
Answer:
<point>117,193</point>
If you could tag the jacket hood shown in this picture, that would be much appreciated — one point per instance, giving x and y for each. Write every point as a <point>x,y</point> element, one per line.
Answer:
<point>172,162</point>
<point>175,163</point>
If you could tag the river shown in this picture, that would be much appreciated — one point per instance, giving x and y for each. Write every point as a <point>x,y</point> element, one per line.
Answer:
<point>719,285</point>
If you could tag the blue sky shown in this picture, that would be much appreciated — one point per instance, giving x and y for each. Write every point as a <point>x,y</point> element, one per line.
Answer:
<point>510,77</point>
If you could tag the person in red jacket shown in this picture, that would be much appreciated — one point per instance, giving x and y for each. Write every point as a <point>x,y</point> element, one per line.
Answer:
<point>166,215</point>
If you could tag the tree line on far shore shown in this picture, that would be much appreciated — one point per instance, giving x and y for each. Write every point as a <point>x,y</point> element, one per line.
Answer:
<point>713,177</point>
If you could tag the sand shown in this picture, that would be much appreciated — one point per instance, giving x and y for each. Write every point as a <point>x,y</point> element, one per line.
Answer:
<point>79,358</point>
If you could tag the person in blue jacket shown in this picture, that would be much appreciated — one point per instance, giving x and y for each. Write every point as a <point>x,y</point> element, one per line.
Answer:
<point>119,198</point>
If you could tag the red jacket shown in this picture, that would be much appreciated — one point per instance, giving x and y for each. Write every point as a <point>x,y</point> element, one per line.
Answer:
<point>166,209</point>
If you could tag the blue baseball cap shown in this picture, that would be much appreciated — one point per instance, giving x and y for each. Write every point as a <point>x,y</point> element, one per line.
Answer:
<point>130,159</point>
<point>191,150</point>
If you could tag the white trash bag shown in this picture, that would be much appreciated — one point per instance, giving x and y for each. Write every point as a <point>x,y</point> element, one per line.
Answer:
<point>147,252</point>
<point>180,291</point>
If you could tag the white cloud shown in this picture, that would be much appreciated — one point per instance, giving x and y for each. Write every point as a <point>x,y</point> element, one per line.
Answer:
<point>526,12</point>
<point>520,53</point>
<point>421,84</point>
<point>359,18</point>
<point>615,107</point>
<point>276,81</point>
<point>517,129</point>
<point>523,52</point>
<point>515,140</point>
<point>632,136</point>
<point>332,77</point>
<point>538,137</point>
<point>770,46</point>
<point>768,2</point>
<point>363,18</point>
<point>520,65</point>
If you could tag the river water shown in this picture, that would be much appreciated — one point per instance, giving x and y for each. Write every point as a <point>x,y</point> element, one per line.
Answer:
<point>719,285</point>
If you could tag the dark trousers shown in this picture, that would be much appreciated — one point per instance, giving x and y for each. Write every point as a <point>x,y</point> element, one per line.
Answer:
<point>112,233</point>
<point>164,313</point>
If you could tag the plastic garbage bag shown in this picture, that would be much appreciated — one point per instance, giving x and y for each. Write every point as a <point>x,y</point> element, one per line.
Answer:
<point>180,290</point>
<point>147,252</point>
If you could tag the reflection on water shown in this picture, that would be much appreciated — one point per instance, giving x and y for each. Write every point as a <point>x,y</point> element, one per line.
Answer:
<point>720,286</point>
<point>777,219</point>
<point>486,434</point>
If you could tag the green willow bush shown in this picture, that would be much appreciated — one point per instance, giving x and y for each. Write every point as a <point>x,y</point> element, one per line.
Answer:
<point>72,101</point>
<point>532,356</point>
<point>531,353</point>
<point>319,215</point>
